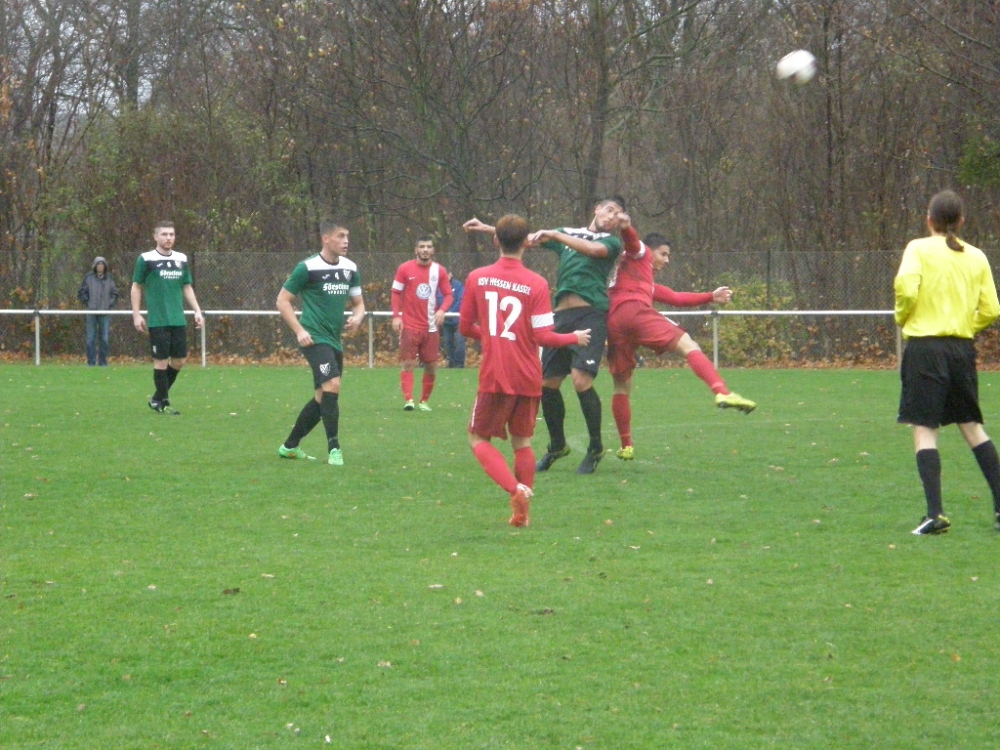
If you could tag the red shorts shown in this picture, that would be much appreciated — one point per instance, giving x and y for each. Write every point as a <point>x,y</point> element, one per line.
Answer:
<point>493,413</point>
<point>422,345</point>
<point>633,325</point>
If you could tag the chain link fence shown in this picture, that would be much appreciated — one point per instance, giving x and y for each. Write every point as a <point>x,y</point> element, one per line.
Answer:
<point>249,281</point>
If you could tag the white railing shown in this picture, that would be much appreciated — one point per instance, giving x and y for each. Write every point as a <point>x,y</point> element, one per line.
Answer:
<point>371,316</point>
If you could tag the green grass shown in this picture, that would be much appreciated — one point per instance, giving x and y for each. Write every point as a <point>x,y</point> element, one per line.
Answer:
<point>746,582</point>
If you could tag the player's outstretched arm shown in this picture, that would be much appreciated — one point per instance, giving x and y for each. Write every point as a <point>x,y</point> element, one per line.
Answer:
<point>548,337</point>
<point>583,246</point>
<point>630,240</point>
<point>475,225</point>
<point>668,296</point>
<point>722,295</point>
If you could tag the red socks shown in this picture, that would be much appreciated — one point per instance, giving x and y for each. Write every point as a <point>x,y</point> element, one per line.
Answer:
<point>426,387</point>
<point>524,466</point>
<point>704,369</point>
<point>493,463</point>
<point>406,384</point>
<point>621,408</point>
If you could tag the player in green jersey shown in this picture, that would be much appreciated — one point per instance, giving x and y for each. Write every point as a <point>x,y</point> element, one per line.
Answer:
<point>586,259</point>
<point>326,283</point>
<point>165,276</point>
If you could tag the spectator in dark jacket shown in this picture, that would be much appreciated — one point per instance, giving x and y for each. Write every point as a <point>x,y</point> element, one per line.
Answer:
<point>454,342</point>
<point>98,292</point>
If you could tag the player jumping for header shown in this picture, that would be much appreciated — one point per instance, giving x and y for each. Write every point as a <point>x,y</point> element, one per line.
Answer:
<point>587,256</point>
<point>634,322</point>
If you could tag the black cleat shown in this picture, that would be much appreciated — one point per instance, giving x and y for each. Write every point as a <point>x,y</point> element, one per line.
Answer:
<point>936,525</point>
<point>996,521</point>
<point>550,457</point>
<point>156,406</point>
<point>590,461</point>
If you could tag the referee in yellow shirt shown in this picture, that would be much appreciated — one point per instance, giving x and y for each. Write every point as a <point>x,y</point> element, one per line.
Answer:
<point>945,295</point>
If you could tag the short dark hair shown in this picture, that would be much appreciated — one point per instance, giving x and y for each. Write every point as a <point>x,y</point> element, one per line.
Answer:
<point>655,239</point>
<point>162,225</point>
<point>328,225</point>
<point>425,238</point>
<point>511,232</point>
<point>945,213</point>
<point>612,199</point>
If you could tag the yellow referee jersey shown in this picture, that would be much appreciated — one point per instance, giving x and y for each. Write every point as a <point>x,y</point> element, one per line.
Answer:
<point>941,292</point>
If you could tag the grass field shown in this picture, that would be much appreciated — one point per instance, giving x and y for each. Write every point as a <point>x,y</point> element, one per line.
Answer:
<point>746,582</point>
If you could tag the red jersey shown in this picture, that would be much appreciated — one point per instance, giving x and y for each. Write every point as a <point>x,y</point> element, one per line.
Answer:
<point>507,307</point>
<point>414,294</point>
<point>632,279</point>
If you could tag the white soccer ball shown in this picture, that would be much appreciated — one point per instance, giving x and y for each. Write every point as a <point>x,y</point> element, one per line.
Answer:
<point>798,66</point>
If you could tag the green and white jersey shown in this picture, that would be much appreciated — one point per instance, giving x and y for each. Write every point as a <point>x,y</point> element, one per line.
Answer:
<point>582,275</point>
<point>164,278</point>
<point>324,289</point>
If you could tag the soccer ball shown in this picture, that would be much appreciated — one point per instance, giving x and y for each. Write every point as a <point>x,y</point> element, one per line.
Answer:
<point>798,66</point>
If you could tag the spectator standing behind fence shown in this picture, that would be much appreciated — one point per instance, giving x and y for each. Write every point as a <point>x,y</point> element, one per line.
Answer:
<point>98,292</point>
<point>451,338</point>
<point>945,295</point>
<point>166,277</point>
<point>416,317</point>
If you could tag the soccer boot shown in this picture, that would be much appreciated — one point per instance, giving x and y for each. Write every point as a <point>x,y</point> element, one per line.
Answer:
<point>936,525</point>
<point>408,405</point>
<point>293,453</point>
<point>519,504</point>
<point>734,401</point>
<point>590,461</point>
<point>550,457</point>
<point>424,406</point>
<point>627,453</point>
<point>167,409</point>
<point>336,457</point>
<point>156,406</point>
<point>996,521</point>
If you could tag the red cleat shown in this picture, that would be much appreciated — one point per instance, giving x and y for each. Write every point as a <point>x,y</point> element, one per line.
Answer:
<point>519,503</point>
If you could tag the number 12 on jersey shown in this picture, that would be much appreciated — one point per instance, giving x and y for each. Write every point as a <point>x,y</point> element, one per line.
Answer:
<point>498,307</point>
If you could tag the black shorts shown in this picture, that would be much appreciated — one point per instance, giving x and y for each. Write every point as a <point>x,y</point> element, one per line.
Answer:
<point>168,342</point>
<point>940,384</point>
<point>557,363</point>
<point>326,362</point>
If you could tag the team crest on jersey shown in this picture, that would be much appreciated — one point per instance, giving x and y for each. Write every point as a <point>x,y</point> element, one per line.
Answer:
<point>324,369</point>
<point>424,291</point>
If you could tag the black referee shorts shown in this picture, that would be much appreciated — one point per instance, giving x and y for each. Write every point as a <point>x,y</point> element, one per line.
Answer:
<point>940,383</point>
<point>557,363</point>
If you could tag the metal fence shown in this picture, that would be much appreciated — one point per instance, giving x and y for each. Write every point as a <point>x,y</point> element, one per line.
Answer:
<point>372,348</point>
<point>789,307</point>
